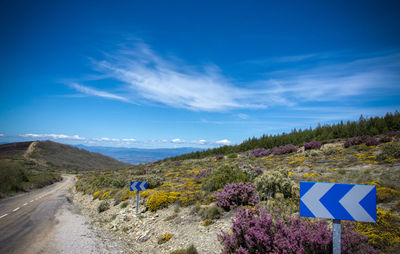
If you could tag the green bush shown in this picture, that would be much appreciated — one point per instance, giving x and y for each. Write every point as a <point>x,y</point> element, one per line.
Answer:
<point>154,182</point>
<point>124,204</point>
<point>189,250</point>
<point>210,212</point>
<point>224,175</point>
<point>390,150</point>
<point>232,156</point>
<point>104,206</point>
<point>275,182</point>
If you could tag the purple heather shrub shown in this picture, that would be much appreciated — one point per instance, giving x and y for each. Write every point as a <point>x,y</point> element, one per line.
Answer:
<point>256,231</point>
<point>204,173</point>
<point>371,141</point>
<point>393,133</point>
<point>385,139</point>
<point>284,149</point>
<point>312,145</point>
<point>219,157</point>
<point>259,152</point>
<point>237,194</point>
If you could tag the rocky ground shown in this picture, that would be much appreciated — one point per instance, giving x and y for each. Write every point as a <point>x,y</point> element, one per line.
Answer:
<point>143,231</point>
<point>72,233</point>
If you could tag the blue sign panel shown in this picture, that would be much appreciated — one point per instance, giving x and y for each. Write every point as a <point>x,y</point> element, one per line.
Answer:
<point>338,201</point>
<point>138,186</point>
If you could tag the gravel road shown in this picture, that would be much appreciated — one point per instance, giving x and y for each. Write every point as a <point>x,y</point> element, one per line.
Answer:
<point>44,221</point>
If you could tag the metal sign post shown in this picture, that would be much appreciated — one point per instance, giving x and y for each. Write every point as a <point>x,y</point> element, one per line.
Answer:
<point>138,186</point>
<point>338,201</point>
<point>137,202</point>
<point>336,236</point>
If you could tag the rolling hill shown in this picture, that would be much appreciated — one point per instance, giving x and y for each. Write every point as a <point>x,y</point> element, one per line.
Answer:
<point>28,165</point>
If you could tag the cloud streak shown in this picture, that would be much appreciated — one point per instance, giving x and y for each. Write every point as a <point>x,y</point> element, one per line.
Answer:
<point>375,76</point>
<point>94,92</point>
<point>150,78</point>
<point>155,79</point>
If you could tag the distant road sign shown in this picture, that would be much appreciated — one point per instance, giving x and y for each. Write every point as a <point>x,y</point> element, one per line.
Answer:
<point>338,201</point>
<point>138,186</point>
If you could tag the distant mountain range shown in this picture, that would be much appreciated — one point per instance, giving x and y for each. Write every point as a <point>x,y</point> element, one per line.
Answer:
<point>138,155</point>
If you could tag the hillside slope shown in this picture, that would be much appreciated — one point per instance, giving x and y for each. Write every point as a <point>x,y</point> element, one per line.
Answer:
<point>29,165</point>
<point>66,157</point>
<point>194,199</point>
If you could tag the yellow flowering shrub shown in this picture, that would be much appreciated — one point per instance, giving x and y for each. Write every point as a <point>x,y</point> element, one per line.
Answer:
<point>165,238</point>
<point>96,194</point>
<point>385,233</point>
<point>161,199</point>
<point>127,195</point>
<point>188,197</point>
<point>385,194</point>
<point>104,196</point>
<point>146,193</point>
<point>207,222</point>
<point>310,175</point>
<point>377,184</point>
<point>209,199</point>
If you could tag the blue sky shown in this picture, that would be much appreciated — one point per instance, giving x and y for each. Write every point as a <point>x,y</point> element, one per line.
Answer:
<point>192,73</point>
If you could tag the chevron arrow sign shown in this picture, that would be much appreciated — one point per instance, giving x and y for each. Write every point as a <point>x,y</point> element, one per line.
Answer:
<point>138,186</point>
<point>338,201</point>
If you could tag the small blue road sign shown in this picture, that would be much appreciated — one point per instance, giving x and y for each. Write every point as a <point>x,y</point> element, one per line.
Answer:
<point>338,201</point>
<point>138,186</point>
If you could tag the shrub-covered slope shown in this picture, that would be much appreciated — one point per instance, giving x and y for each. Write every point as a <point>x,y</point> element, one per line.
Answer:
<point>262,181</point>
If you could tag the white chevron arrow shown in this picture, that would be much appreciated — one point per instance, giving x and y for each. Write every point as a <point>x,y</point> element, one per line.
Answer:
<point>142,186</point>
<point>313,195</point>
<point>351,202</point>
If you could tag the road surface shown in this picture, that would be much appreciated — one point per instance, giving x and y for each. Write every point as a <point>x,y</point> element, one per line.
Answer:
<point>26,217</point>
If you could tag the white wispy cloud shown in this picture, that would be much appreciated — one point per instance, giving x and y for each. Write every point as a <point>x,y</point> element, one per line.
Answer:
<point>223,142</point>
<point>169,82</point>
<point>1,135</point>
<point>94,92</point>
<point>202,141</point>
<point>128,140</point>
<point>177,140</point>
<point>375,76</point>
<point>120,142</point>
<point>243,116</point>
<point>151,78</point>
<point>52,136</point>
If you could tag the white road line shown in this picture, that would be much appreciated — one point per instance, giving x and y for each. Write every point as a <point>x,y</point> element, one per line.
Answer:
<point>4,215</point>
<point>31,201</point>
<point>16,209</point>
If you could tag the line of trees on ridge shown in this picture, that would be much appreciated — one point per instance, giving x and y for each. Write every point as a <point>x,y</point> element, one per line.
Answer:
<point>371,126</point>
